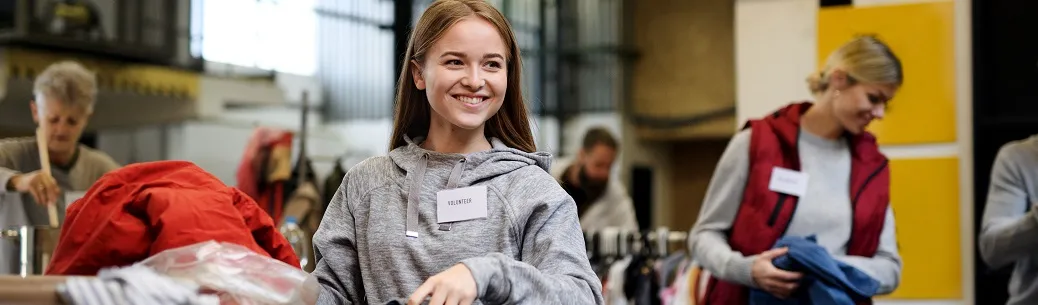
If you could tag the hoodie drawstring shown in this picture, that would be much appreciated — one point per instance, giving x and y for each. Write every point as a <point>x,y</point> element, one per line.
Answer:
<point>452,183</point>
<point>412,197</point>
<point>414,193</point>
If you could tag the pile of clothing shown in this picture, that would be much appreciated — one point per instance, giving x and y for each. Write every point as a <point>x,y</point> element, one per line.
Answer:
<point>143,209</point>
<point>207,273</point>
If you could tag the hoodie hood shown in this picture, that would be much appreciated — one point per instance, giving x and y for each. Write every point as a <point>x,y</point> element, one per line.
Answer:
<point>465,170</point>
<point>499,160</point>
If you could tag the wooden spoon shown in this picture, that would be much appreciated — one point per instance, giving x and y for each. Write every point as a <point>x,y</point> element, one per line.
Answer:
<point>41,142</point>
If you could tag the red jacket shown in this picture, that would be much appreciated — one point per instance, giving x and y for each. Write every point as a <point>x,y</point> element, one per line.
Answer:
<point>251,175</point>
<point>142,209</point>
<point>764,214</point>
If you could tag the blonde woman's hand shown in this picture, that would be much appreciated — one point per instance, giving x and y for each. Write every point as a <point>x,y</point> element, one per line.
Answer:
<point>778,282</point>
<point>456,286</point>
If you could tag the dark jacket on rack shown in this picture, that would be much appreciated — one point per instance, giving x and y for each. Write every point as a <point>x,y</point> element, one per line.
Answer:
<point>826,280</point>
<point>303,165</point>
<point>642,282</point>
<point>332,182</point>
<point>764,214</point>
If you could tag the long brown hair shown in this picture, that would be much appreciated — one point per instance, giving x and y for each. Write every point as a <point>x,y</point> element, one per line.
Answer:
<point>510,124</point>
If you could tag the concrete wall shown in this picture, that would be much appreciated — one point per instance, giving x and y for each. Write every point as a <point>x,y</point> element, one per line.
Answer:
<point>775,47</point>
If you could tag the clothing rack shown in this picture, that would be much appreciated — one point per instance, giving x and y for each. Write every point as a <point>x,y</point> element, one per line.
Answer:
<point>613,243</point>
<point>642,267</point>
<point>303,167</point>
<point>305,154</point>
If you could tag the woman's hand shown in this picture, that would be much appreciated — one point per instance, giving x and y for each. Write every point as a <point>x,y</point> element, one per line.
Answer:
<point>778,282</point>
<point>452,287</point>
<point>43,188</point>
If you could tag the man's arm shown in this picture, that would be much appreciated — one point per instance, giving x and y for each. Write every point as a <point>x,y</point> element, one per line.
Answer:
<point>9,152</point>
<point>7,178</point>
<point>1008,233</point>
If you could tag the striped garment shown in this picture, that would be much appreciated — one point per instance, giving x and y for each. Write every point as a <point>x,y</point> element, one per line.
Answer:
<point>131,286</point>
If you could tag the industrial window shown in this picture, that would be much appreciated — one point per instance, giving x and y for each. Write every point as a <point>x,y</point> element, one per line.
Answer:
<point>276,35</point>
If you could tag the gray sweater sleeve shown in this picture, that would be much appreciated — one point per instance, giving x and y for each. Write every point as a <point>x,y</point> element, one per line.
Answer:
<point>554,267</point>
<point>885,266</point>
<point>709,238</point>
<point>7,166</point>
<point>1008,231</point>
<point>338,275</point>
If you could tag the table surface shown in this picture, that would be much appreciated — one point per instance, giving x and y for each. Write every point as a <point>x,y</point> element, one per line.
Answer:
<point>30,290</point>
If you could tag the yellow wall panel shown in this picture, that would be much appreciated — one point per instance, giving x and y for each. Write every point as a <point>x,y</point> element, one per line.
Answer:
<point>925,197</point>
<point>923,37</point>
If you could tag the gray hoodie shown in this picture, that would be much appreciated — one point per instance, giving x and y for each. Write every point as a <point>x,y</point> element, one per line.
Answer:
<point>529,249</point>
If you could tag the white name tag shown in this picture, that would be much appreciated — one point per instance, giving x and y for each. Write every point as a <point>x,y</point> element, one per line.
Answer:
<point>461,204</point>
<point>788,182</point>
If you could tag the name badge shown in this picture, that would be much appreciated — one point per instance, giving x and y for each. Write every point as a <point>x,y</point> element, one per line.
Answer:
<point>461,204</point>
<point>788,182</point>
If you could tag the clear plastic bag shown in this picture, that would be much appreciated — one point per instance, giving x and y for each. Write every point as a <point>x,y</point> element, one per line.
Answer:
<point>235,273</point>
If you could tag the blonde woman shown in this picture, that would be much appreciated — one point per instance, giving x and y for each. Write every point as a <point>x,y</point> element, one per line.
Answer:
<point>809,168</point>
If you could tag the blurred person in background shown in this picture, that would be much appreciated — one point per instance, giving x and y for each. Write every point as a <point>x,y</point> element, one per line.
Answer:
<point>64,101</point>
<point>463,208</point>
<point>601,202</point>
<point>808,169</point>
<point>1009,229</point>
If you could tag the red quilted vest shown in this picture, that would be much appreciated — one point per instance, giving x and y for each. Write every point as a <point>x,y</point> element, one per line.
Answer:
<point>764,214</point>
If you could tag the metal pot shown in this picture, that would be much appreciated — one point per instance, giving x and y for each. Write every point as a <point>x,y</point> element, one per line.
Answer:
<point>36,246</point>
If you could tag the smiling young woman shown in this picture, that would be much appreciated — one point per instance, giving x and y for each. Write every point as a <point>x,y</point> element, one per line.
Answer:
<point>463,208</point>
<point>463,79</point>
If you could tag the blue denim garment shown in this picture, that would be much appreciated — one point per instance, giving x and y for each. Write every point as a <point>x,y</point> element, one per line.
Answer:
<point>825,281</point>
